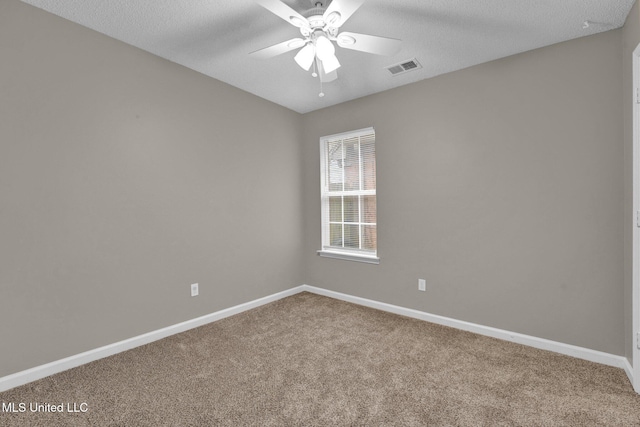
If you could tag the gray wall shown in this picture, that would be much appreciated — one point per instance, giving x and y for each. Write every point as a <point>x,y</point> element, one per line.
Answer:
<point>630,40</point>
<point>502,185</point>
<point>125,178</point>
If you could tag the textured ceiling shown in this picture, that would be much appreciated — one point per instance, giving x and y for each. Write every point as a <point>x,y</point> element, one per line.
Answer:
<point>215,37</point>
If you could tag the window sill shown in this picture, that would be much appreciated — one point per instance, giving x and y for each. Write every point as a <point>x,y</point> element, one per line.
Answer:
<point>369,259</point>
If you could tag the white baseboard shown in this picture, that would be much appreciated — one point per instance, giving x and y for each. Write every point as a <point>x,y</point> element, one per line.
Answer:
<point>628,369</point>
<point>39,372</point>
<point>540,343</point>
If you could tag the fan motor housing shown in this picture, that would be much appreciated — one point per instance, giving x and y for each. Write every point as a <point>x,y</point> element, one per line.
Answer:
<point>316,21</point>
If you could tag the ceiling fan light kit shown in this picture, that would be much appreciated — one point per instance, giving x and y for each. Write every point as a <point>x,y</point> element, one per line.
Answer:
<point>326,52</point>
<point>330,64</point>
<point>305,57</point>
<point>320,30</point>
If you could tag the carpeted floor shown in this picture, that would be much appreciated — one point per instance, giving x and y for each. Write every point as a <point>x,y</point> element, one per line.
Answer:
<point>309,360</point>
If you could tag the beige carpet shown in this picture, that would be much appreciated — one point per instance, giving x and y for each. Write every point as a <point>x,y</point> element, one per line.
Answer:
<point>309,360</point>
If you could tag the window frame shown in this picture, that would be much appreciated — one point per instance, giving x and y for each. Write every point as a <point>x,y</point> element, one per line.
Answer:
<point>349,254</point>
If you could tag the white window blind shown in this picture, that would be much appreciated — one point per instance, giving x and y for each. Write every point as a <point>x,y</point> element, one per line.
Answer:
<point>348,177</point>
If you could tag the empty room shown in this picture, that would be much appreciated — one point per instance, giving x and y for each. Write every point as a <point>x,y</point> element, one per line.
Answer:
<point>300,212</point>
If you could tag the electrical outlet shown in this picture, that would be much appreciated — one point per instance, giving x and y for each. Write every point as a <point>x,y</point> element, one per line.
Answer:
<point>194,290</point>
<point>422,285</point>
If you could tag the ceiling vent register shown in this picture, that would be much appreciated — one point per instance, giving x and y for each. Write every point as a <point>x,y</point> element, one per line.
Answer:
<point>404,67</point>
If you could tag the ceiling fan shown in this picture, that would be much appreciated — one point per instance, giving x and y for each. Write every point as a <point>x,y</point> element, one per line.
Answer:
<point>320,28</point>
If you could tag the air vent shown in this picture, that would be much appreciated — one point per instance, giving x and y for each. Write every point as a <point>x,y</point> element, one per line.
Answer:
<point>404,67</point>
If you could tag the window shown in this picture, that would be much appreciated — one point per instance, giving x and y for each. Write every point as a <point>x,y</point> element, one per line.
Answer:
<point>348,176</point>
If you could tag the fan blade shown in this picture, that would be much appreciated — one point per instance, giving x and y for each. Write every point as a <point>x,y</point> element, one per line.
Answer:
<point>278,49</point>
<point>369,44</point>
<point>344,8</point>
<point>324,76</point>
<point>285,12</point>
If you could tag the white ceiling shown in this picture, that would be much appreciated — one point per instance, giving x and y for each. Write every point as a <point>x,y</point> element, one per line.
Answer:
<point>215,37</point>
